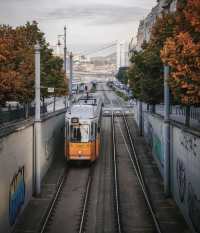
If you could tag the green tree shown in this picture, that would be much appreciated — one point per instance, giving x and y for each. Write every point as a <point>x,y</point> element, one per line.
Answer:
<point>146,71</point>
<point>122,75</point>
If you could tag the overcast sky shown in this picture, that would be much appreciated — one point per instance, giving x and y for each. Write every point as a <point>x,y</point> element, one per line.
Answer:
<point>91,23</point>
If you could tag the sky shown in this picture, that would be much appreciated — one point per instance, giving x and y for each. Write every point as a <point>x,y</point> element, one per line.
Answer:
<point>90,24</point>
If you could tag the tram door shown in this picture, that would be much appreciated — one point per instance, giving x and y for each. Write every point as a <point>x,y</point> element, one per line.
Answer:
<point>93,140</point>
<point>97,139</point>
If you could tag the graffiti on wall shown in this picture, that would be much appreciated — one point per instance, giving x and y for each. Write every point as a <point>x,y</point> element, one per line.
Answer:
<point>155,143</point>
<point>181,179</point>
<point>193,208</point>
<point>157,148</point>
<point>150,134</point>
<point>190,144</point>
<point>49,147</point>
<point>16,195</point>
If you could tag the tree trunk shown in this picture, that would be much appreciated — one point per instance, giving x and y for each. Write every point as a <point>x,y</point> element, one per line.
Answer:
<point>147,107</point>
<point>54,103</point>
<point>153,108</point>
<point>43,105</point>
<point>26,110</point>
<point>187,116</point>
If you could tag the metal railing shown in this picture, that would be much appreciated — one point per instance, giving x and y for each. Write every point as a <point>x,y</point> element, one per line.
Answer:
<point>20,112</point>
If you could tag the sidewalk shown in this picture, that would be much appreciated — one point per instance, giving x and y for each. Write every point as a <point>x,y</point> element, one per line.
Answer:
<point>167,212</point>
<point>33,215</point>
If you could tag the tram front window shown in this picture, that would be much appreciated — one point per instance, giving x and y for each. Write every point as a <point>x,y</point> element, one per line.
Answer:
<point>79,133</point>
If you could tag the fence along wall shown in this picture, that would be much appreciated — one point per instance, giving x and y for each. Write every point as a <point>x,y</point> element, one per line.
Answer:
<point>185,163</point>
<point>17,162</point>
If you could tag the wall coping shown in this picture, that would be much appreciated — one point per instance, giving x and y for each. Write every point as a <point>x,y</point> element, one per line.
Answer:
<point>179,125</point>
<point>23,124</point>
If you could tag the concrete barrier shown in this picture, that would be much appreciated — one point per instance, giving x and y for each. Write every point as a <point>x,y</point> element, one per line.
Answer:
<point>17,163</point>
<point>184,163</point>
<point>185,172</point>
<point>16,175</point>
<point>153,133</point>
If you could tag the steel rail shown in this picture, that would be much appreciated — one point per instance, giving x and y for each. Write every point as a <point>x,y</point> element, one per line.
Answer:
<point>53,203</point>
<point>140,177</point>
<point>86,198</point>
<point>116,193</point>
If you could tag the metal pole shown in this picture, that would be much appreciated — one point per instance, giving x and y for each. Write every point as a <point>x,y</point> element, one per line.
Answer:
<point>166,133</point>
<point>140,118</point>
<point>71,73</point>
<point>37,82</point>
<point>65,50</point>
<point>65,58</point>
<point>37,124</point>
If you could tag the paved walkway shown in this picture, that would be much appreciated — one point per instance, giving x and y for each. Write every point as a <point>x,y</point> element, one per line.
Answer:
<point>167,212</point>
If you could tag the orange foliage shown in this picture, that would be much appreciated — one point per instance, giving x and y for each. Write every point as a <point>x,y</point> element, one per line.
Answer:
<point>181,53</point>
<point>192,13</point>
<point>16,65</point>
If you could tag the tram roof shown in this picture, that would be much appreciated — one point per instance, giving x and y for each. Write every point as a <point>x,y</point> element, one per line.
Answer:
<point>82,111</point>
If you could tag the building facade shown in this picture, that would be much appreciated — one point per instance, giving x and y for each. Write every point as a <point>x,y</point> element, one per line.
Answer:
<point>145,26</point>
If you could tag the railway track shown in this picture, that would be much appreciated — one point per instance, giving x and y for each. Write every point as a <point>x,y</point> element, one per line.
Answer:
<point>116,184</point>
<point>53,209</point>
<point>133,158</point>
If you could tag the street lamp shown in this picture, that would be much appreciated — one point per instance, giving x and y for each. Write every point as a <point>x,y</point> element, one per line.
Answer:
<point>65,55</point>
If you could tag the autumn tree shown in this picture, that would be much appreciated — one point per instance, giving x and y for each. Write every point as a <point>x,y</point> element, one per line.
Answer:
<point>182,53</point>
<point>17,64</point>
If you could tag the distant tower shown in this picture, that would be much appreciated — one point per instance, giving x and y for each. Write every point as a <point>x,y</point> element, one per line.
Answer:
<point>123,63</point>
<point>59,48</point>
<point>121,55</point>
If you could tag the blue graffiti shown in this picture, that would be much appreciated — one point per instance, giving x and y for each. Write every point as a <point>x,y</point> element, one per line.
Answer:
<point>16,195</point>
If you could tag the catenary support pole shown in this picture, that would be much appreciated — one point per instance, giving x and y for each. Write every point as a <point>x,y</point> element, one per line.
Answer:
<point>140,117</point>
<point>65,50</point>
<point>37,124</point>
<point>37,82</point>
<point>71,73</point>
<point>65,58</point>
<point>166,132</point>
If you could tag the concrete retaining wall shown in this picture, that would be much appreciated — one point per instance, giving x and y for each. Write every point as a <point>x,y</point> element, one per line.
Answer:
<point>17,164</point>
<point>184,164</point>
<point>16,175</point>
<point>186,174</point>
<point>52,140</point>
<point>153,132</point>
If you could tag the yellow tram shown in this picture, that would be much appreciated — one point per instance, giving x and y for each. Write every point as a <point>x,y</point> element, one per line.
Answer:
<point>82,129</point>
